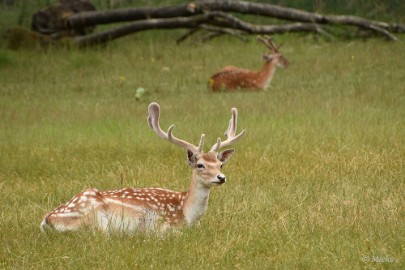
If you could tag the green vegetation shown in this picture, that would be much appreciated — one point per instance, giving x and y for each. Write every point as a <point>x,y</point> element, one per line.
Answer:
<point>317,182</point>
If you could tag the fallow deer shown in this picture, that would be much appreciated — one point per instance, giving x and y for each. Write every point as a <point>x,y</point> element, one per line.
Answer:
<point>233,78</point>
<point>147,210</point>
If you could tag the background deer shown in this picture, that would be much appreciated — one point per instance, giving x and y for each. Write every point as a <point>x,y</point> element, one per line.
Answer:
<point>233,78</point>
<point>150,209</point>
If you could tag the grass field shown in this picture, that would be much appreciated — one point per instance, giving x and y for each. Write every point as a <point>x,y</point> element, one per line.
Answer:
<point>317,182</point>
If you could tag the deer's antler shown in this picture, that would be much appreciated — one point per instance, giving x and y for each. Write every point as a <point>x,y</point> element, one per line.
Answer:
<point>268,42</point>
<point>230,133</point>
<point>153,121</point>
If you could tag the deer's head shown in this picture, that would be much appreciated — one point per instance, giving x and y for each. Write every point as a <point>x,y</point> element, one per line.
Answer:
<point>206,167</point>
<point>274,55</point>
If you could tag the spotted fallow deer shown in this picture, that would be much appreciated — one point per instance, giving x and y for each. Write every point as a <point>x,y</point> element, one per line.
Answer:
<point>147,210</point>
<point>232,78</point>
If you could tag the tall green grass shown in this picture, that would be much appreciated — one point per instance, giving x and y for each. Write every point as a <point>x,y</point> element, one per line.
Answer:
<point>317,182</point>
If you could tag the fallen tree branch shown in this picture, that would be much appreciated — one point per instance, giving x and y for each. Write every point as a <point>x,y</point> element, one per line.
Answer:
<point>129,14</point>
<point>169,23</point>
<point>220,20</point>
<point>227,20</point>
<point>214,31</point>
<point>292,14</point>
<point>243,7</point>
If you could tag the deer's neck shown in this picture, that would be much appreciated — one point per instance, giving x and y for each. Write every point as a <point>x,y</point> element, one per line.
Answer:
<point>267,73</point>
<point>196,202</point>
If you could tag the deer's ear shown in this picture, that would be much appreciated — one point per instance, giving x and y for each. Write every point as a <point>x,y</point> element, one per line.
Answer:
<point>224,156</point>
<point>267,57</point>
<point>190,157</point>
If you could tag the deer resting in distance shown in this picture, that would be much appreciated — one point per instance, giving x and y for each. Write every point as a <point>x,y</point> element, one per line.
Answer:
<point>150,209</point>
<point>232,78</point>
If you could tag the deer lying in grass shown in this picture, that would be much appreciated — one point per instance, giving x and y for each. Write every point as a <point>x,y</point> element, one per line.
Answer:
<point>232,78</point>
<point>150,209</point>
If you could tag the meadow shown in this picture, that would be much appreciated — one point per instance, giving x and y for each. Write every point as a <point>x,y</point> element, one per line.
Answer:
<point>317,182</point>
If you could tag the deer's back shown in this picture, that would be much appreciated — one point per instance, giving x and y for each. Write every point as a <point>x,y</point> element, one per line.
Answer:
<point>231,78</point>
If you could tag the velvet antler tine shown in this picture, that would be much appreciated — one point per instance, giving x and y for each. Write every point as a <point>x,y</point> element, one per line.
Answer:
<point>230,133</point>
<point>201,144</point>
<point>153,121</point>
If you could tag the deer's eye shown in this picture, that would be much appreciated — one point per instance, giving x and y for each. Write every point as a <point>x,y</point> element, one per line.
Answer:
<point>200,166</point>
<point>222,166</point>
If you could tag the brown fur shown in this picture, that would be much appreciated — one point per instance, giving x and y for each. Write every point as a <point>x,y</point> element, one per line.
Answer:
<point>232,78</point>
<point>150,209</point>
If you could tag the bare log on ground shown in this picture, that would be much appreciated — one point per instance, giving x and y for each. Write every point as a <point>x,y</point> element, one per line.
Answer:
<point>243,7</point>
<point>142,25</point>
<point>52,19</point>
<point>227,20</point>
<point>292,14</point>
<point>129,14</point>
<point>213,32</point>
<point>228,23</point>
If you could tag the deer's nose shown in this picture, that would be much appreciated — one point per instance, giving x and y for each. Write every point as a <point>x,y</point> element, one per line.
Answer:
<point>221,178</point>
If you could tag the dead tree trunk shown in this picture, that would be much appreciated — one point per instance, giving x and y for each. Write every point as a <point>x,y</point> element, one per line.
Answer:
<point>142,25</point>
<point>243,7</point>
<point>216,16</point>
<point>129,14</point>
<point>220,20</point>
